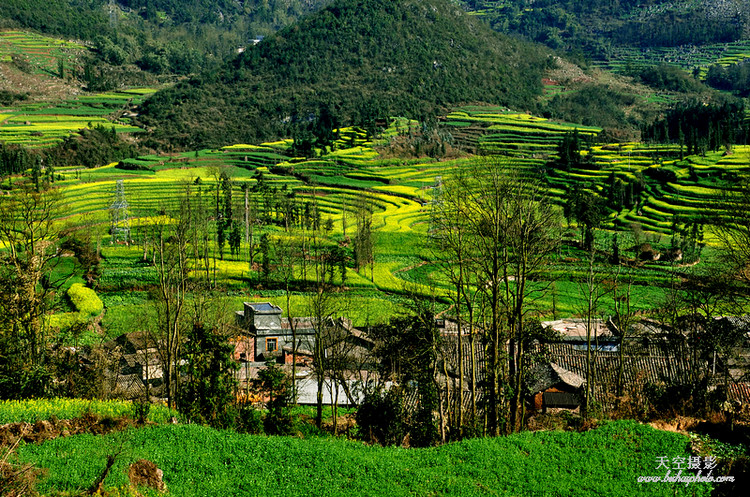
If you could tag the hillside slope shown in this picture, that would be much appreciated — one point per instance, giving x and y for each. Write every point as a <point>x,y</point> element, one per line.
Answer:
<point>358,60</point>
<point>596,27</point>
<point>161,37</point>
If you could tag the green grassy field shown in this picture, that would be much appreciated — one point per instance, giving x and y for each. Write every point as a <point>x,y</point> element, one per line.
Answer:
<point>199,461</point>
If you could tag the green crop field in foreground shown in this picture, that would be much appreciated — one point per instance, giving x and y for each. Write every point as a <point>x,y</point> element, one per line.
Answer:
<point>33,410</point>
<point>199,461</point>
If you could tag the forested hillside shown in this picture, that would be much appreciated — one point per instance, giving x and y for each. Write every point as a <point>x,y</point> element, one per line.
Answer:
<point>352,62</point>
<point>594,27</point>
<point>157,36</point>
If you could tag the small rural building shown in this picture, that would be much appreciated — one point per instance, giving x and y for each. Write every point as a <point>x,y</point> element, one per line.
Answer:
<point>134,366</point>
<point>271,333</point>
<point>271,336</point>
<point>555,387</point>
<point>649,353</point>
<point>264,335</point>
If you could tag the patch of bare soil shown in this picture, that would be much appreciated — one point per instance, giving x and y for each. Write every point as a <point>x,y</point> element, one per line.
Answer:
<point>680,424</point>
<point>144,473</point>
<point>16,480</point>
<point>345,424</point>
<point>12,433</point>
<point>567,73</point>
<point>38,86</point>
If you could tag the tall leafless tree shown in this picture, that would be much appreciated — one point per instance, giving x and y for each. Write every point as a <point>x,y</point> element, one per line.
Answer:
<point>509,222</point>
<point>29,236</point>
<point>173,266</point>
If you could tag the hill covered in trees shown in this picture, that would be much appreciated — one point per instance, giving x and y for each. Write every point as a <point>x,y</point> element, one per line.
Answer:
<point>353,62</point>
<point>156,36</point>
<point>594,27</point>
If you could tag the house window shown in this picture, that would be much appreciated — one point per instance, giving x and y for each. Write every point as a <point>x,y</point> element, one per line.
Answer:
<point>271,344</point>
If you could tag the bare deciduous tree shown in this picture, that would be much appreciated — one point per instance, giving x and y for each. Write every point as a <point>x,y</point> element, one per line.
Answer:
<point>512,230</point>
<point>28,234</point>
<point>173,267</point>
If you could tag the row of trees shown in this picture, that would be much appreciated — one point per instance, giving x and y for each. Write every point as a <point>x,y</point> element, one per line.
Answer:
<point>185,247</point>
<point>494,233</point>
<point>494,237</point>
<point>734,78</point>
<point>701,126</point>
<point>93,146</point>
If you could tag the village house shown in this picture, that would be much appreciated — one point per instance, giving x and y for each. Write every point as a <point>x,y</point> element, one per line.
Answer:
<point>648,353</point>
<point>260,334</point>
<point>264,335</point>
<point>134,367</point>
<point>271,336</point>
<point>555,387</point>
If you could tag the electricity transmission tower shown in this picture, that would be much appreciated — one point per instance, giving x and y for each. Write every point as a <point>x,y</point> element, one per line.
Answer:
<point>436,202</point>
<point>119,217</point>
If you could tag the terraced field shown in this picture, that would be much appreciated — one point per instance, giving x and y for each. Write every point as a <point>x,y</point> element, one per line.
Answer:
<point>43,125</point>
<point>671,187</point>
<point>690,58</point>
<point>399,191</point>
<point>43,54</point>
<point>623,58</point>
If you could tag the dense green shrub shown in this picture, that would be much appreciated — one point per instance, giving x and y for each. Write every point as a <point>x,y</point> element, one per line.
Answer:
<point>380,417</point>
<point>8,98</point>
<point>132,166</point>
<point>276,385</point>
<point>735,78</point>
<point>250,420</point>
<point>669,78</point>
<point>208,384</point>
<point>593,105</point>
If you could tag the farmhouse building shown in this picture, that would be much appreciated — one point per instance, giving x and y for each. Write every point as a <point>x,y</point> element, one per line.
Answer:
<point>271,334</point>
<point>134,366</point>
<point>553,386</point>
<point>649,353</point>
<point>264,335</point>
